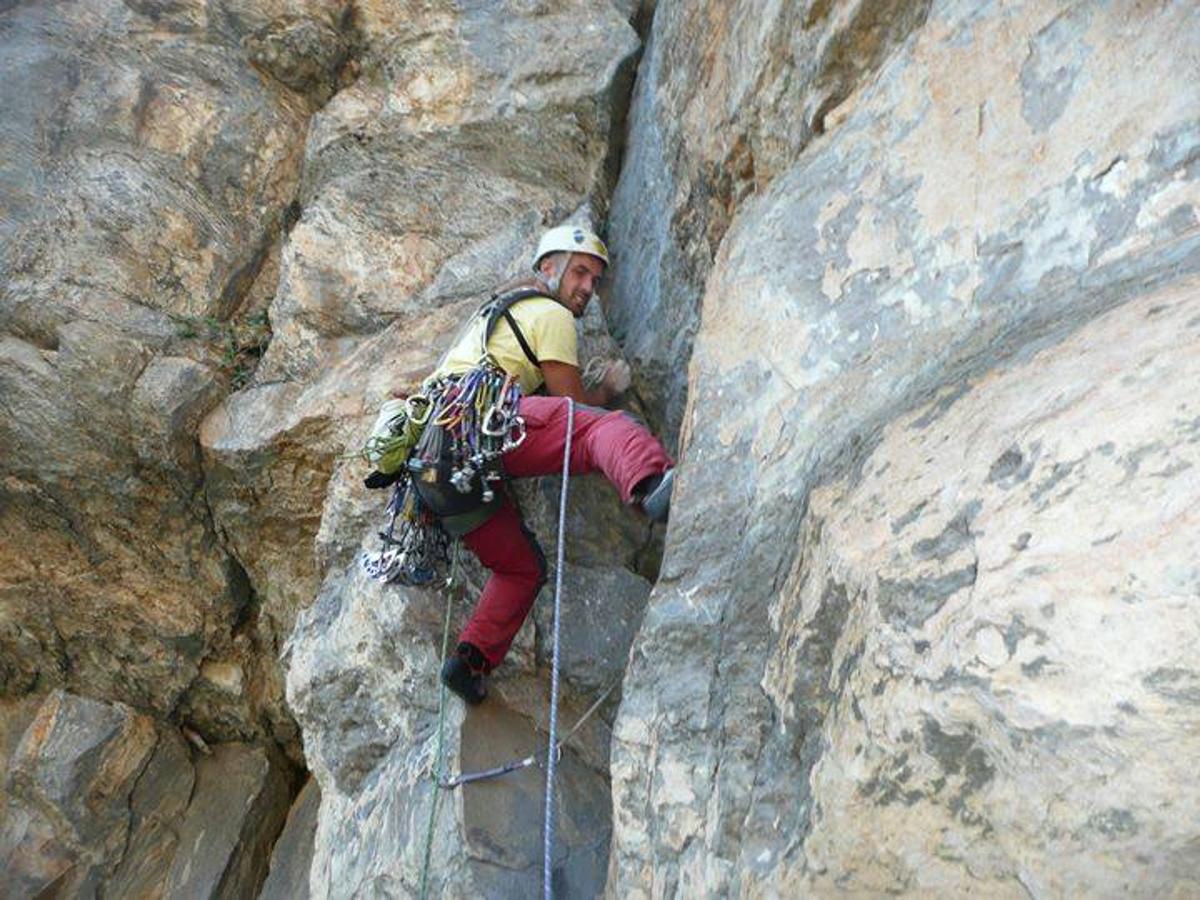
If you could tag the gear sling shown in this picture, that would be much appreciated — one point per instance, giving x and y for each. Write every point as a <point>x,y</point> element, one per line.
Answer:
<point>455,464</point>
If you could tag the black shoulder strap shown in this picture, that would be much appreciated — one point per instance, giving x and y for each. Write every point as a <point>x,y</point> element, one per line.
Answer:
<point>497,308</point>
<point>512,323</point>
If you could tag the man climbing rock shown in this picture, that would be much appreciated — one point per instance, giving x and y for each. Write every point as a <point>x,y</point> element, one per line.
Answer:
<point>528,331</point>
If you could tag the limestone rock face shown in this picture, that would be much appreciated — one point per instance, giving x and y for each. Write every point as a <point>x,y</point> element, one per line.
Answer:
<point>362,667</point>
<point>906,363</point>
<point>101,802</point>
<point>1012,697</point>
<point>158,804</point>
<point>727,97</point>
<point>912,286</point>
<point>152,152</point>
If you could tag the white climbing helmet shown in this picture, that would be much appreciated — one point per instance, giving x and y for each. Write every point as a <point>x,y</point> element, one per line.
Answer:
<point>570,239</point>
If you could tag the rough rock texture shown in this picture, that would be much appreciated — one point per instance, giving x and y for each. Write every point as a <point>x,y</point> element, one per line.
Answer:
<point>1012,700</point>
<point>100,802</point>
<point>727,97</point>
<point>361,679</point>
<point>425,184</point>
<point>922,675</point>
<point>913,281</point>
<point>70,779</point>
<point>291,857</point>
<point>157,806</point>
<point>152,151</point>
<point>238,807</point>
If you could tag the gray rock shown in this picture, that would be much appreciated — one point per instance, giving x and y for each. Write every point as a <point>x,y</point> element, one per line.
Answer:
<point>930,239</point>
<point>238,808</point>
<point>601,612</point>
<point>158,805</point>
<point>69,782</point>
<point>728,96</point>
<point>291,858</point>
<point>1023,684</point>
<point>362,680</point>
<point>502,818</point>
<point>30,855</point>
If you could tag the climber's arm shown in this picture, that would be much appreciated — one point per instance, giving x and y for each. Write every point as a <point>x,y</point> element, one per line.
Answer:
<point>563,380</point>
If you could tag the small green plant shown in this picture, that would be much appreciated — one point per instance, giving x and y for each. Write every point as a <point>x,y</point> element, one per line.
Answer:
<point>239,342</point>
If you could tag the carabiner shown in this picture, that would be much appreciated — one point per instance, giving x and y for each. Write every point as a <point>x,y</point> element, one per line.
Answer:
<point>412,415</point>
<point>510,443</point>
<point>494,415</point>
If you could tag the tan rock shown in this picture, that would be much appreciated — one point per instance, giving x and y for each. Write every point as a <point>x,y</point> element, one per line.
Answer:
<point>68,785</point>
<point>150,170</point>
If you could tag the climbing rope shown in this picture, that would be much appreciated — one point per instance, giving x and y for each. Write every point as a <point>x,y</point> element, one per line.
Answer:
<point>436,774</point>
<point>551,754</point>
<point>553,746</point>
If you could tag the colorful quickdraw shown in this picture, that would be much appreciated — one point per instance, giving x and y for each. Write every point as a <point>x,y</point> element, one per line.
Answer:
<point>478,416</point>
<point>462,423</point>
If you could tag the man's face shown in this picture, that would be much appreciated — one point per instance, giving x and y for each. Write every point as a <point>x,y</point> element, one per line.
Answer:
<point>579,281</point>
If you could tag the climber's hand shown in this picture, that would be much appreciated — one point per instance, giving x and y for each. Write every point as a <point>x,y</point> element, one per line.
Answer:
<point>617,378</point>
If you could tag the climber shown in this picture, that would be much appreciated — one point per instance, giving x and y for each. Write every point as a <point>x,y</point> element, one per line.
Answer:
<point>529,331</point>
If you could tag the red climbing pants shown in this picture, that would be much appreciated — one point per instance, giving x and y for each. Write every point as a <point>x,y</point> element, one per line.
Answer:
<point>603,441</point>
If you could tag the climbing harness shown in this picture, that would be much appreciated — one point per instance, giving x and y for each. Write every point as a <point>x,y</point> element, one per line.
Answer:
<point>551,755</point>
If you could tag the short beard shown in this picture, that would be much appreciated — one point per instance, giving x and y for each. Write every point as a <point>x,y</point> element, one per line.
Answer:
<point>558,263</point>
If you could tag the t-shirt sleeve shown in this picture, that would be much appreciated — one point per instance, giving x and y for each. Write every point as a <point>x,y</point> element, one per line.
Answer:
<point>554,338</point>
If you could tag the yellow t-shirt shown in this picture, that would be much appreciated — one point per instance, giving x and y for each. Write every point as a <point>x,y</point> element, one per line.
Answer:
<point>548,327</point>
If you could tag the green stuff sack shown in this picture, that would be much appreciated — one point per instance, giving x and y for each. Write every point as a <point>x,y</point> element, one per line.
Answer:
<point>397,429</point>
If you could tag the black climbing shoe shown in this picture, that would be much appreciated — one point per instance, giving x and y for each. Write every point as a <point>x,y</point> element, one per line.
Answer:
<point>655,493</point>
<point>465,680</point>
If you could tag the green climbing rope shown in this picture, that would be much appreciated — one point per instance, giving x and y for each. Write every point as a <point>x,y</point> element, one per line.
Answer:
<point>436,772</point>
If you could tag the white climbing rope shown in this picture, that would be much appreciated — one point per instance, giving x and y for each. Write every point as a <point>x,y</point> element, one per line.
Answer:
<point>551,746</point>
<point>554,746</point>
